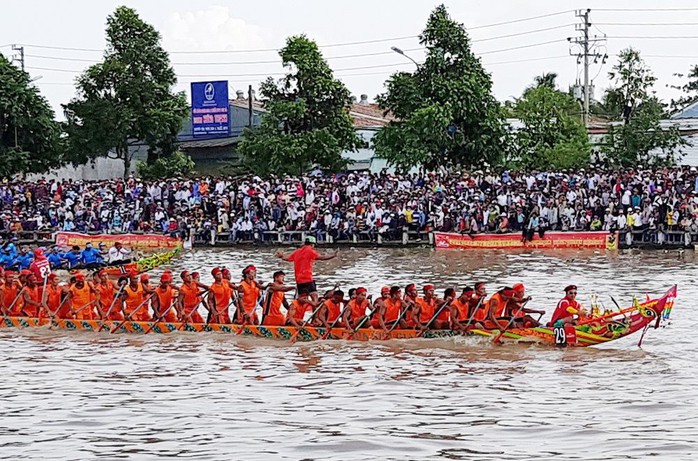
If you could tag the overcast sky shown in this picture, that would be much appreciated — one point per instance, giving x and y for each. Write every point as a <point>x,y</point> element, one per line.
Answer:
<point>226,25</point>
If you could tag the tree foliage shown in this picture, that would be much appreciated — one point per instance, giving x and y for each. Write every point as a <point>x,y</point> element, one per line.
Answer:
<point>307,120</point>
<point>552,135</point>
<point>640,136</point>
<point>176,165</point>
<point>127,99</point>
<point>445,112</point>
<point>689,89</point>
<point>29,135</point>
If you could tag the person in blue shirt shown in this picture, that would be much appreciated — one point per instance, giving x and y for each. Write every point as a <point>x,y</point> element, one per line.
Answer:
<point>11,249</point>
<point>91,258</point>
<point>73,257</point>
<point>54,258</point>
<point>24,259</point>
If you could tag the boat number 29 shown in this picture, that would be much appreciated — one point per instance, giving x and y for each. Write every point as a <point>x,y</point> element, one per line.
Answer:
<point>560,335</point>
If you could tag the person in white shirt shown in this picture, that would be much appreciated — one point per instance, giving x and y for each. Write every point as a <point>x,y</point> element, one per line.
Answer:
<point>118,254</point>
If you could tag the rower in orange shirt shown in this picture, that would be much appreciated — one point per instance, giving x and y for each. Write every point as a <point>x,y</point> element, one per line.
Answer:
<point>135,298</point>
<point>81,299</point>
<point>498,309</point>
<point>221,294</point>
<point>355,310</point>
<point>52,299</point>
<point>106,294</point>
<point>31,297</point>
<point>165,297</point>
<point>303,259</point>
<point>249,289</point>
<point>275,299</point>
<point>298,308</point>
<point>331,309</point>
<point>478,305</point>
<point>461,309</point>
<point>516,309</point>
<point>391,311</point>
<point>13,304</point>
<point>189,300</point>
<point>411,295</point>
<point>425,308</point>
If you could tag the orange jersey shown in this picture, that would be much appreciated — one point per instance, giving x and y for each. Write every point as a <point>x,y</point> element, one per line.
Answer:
<point>426,309</point>
<point>221,295</point>
<point>481,313</point>
<point>250,296</point>
<point>497,306</point>
<point>135,306</point>
<point>462,309</point>
<point>276,300</point>
<point>106,294</point>
<point>299,310</point>
<point>333,310</point>
<point>191,296</point>
<point>356,309</point>
<point>274,315</point>
<point>81,297</point>
<point>12,296</point>
<point>392,310</point>
<point>35,295</point>
<point>165,298</point>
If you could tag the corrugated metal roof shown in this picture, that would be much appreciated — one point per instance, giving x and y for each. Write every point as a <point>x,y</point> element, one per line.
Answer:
<point>689,112</point>
<point>213,142</point>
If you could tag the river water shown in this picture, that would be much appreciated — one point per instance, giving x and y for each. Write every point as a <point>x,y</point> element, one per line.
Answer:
<point>78,395</point>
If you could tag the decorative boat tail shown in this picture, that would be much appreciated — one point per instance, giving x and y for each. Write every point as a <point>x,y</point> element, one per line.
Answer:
<point>142,265</point>
<point>599,330</point>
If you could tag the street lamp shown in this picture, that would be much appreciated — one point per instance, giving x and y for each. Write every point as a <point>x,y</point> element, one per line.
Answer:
<point>399,51</point>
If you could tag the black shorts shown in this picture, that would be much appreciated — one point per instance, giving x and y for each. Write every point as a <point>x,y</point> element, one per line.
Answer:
<point>307,287</point>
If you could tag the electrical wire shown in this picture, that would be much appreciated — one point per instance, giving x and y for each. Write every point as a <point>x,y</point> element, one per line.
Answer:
<point>521,47</point>
<point>640,10</point>
<point>531,18</point>
<point>653,37</point>
<point>644,24</point>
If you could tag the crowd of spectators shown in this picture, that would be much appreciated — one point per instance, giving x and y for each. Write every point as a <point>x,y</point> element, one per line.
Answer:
<point>360,203</point>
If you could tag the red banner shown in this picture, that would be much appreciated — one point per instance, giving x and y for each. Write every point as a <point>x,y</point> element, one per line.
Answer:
<point>134,241</point>
<point>597,240</point>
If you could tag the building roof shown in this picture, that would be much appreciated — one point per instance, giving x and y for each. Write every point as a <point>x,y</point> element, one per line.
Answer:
<point>364,115</point>
<point>210,142</point>
<point>689,112</point>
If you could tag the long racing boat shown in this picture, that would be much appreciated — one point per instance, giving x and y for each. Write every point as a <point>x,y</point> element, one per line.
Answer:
<point>597,330</point>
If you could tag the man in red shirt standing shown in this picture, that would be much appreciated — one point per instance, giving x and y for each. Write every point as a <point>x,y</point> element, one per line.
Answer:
<point>40,267</point>
<point>303,259</point>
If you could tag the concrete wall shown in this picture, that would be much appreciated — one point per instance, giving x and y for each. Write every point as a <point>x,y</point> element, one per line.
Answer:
<point>101,168</point>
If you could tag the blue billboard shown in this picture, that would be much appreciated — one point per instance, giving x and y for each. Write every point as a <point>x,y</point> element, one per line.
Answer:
<point>210,109</point>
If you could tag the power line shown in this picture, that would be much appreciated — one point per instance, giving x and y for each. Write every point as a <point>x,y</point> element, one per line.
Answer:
<point>653,37</point>
<point>640,10</point>
<point>358,55</point>
<point>519,20</point>
<point>521,47</point>
<point>546,58</point>
<point>644,24</point>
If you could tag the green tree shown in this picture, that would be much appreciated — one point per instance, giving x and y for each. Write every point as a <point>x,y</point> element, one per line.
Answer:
<point>127,99</point>
<point>552,134</point>
<point>639,137</point>
<point>176,165</point>
<point>307,120</point>
<point>690,90</point>
<point>29,135</point>
<point>445,112</point>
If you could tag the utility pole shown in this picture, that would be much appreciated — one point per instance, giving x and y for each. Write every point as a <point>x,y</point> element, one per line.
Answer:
<point>588,50</point>
<point>21,55</point>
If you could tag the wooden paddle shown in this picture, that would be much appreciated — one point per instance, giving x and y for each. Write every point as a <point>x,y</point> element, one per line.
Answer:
<point>159,319</point>
<point>436,314</point>
<point>111,306</point>
<point>387,333</point>
<point>511,322</point>
<point>128,318</point>
<point>259,300</point>
<point>310,319</point>
<point>362,322</point>
<point>9,309</point>
<point>189,316</point>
